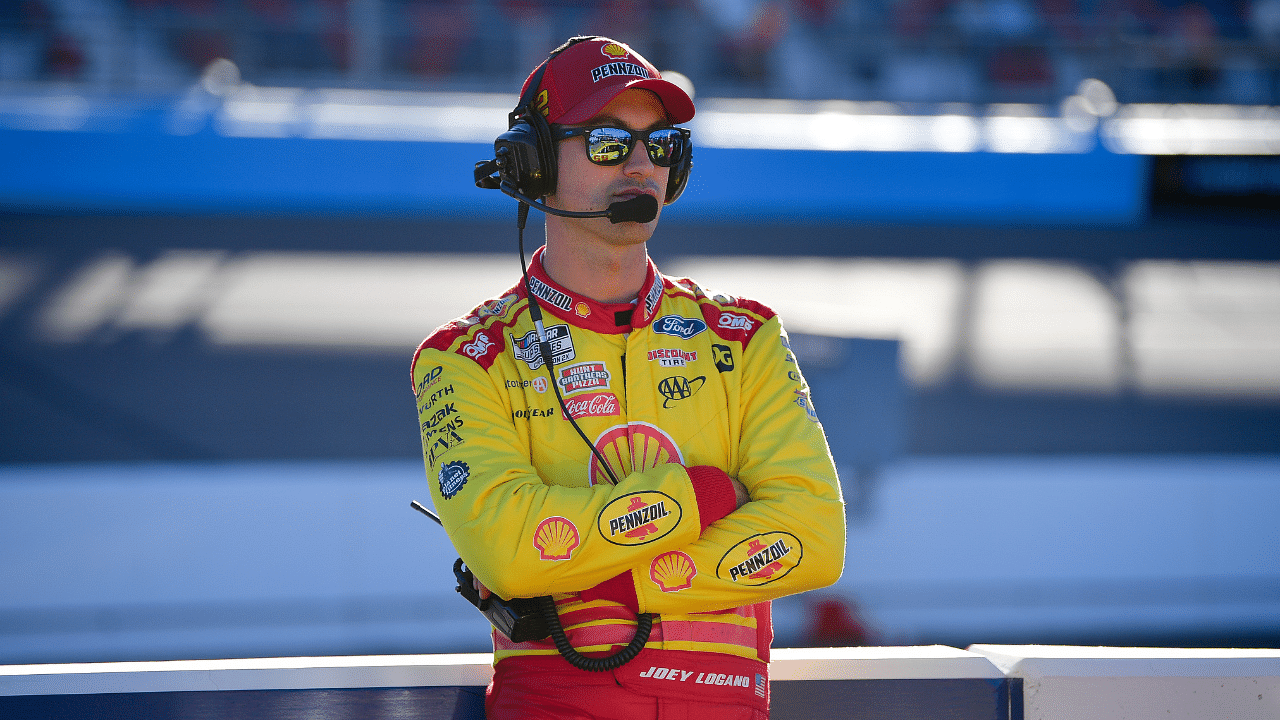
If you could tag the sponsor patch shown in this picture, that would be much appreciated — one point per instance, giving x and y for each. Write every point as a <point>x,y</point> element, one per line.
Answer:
<point>526,347</point>
<point>601,404</point>
<point>441,441</point>
<point>478,347</point>
<point>613,51</point>
<point>532,413</point>
<point>555,538</point>
<point>637,445</point>
<point>803,401</point>
<point>583,376</point>
<point>672,571</point>
<point>452,476</point>
<point>679,387</point>
<point>429,401</point>
<point>436,417</point>
<point>651,300</point>
<point>582,310</point>
<point>617,68</point>
<point>761,559</point>
<point>496,307</point>
<point>734,321</point>
<point>550,295</point>
<point>679,326</point>
<point>428,380</point>
<point>723,355</point>
<point>673,357</point>
<point>790,355</point>
<point>639,518</point>
<point>539,384</point>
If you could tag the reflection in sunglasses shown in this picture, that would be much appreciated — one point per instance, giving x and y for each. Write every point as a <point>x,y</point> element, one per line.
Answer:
<point>611,146</point>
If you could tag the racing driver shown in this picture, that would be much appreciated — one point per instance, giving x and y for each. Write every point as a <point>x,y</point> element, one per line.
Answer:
<point>719,493</point>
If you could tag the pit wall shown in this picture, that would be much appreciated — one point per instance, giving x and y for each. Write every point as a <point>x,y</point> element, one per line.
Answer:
<point>991,682</point>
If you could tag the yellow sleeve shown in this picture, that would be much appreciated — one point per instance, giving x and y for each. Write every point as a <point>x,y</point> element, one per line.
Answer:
<point>514,530</point>
<point>791,536</point>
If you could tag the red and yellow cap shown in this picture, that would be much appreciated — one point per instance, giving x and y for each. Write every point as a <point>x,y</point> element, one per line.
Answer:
<point>585,76</point>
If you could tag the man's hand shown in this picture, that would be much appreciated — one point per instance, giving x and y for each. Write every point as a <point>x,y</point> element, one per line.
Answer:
<point>480,588</point>
<point>740,493</point>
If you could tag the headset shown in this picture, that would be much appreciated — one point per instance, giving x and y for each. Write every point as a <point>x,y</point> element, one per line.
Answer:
<point>524,164</point>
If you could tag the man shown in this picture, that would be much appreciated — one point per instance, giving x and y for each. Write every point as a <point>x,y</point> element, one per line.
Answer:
<point>725,497</point>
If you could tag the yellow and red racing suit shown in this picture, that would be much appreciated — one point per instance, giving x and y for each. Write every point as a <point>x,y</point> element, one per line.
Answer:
<point>678,391</point>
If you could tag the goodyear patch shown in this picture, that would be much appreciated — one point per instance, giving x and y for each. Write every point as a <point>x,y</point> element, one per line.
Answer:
<point>639,518</point>
<point>761,559</point>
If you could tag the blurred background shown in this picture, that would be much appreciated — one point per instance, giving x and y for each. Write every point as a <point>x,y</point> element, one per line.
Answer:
<point>1028,251</point>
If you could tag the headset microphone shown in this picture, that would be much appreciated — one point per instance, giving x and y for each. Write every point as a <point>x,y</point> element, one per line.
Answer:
<point>641,208</point>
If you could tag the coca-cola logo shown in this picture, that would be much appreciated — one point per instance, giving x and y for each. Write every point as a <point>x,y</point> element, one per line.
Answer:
<point>594,405</point>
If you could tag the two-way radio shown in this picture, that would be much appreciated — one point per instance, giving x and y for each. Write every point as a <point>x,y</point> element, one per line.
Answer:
<point>530,619</point>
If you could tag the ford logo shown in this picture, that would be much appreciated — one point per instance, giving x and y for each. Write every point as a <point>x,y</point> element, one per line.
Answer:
<point>681,327</point>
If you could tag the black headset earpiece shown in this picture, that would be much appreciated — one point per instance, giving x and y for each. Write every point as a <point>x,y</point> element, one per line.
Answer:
<point>524,153</point>
<point>679,177</point>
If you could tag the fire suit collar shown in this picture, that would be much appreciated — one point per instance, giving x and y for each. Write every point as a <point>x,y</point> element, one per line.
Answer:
<point>583,312</point>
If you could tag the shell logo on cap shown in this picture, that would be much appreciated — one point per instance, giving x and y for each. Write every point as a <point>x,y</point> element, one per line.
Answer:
<point>673,571</point>
<point>614,50</point>
<point>556,538</point>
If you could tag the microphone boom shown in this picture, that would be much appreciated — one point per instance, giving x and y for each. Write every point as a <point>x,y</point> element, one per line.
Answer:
<point>641,208</point>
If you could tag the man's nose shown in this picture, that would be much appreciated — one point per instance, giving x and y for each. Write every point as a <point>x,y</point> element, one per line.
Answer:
<point>639,162</point>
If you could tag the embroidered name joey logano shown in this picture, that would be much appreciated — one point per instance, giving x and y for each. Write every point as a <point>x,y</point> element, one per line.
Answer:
<point>703,678</point>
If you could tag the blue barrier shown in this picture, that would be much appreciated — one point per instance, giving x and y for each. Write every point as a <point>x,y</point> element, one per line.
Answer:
<point>147,170</point>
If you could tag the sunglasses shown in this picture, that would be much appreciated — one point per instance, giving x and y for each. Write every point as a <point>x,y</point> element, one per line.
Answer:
<point>612,146</point>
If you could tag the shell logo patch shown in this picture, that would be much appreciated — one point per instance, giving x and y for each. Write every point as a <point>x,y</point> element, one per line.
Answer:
<point>673,571</point>
<point>633,447</point>
<point>556,538</point>
<point>639,518</point>
<point>613,51</point>
<point>761,559</point>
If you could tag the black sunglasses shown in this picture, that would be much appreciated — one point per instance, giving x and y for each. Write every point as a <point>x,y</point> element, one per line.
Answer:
<point>612,145</point>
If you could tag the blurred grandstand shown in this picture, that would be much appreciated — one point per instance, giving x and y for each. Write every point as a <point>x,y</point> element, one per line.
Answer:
<point>923,51</point>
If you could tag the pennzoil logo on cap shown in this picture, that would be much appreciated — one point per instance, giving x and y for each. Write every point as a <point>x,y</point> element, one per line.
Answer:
<point>639,518</point>
<point>761,559</point>
<point>613,51</point>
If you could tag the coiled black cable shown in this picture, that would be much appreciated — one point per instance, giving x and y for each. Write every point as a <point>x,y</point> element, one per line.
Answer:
<point>644,626</point>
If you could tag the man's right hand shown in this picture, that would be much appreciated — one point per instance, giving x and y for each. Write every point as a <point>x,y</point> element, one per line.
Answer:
<point>740,493</point>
